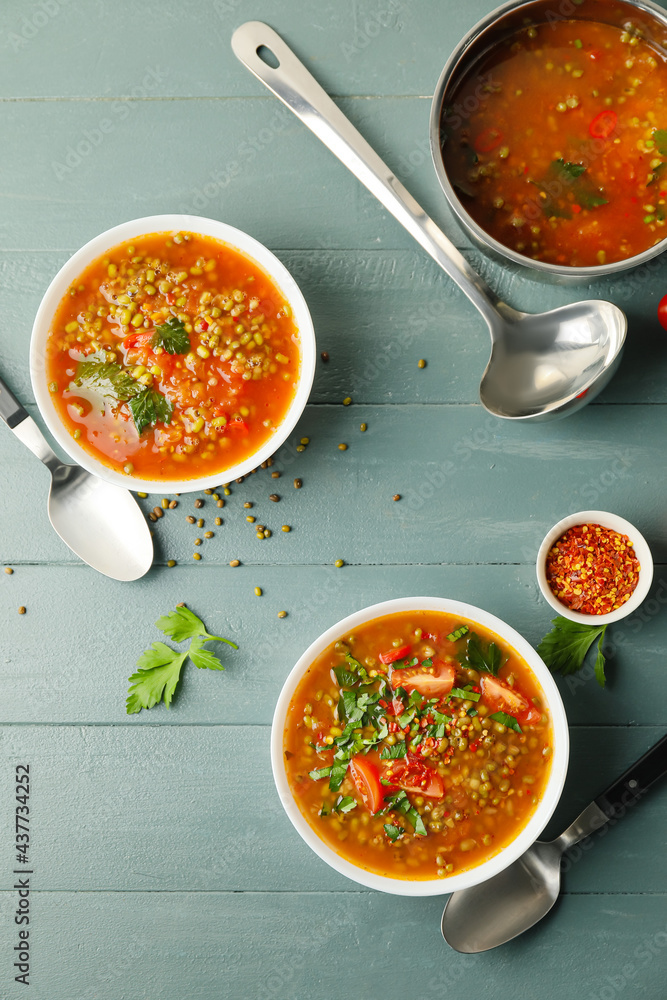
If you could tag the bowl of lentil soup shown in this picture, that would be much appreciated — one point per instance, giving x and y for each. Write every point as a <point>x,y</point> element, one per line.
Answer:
<point>549,135</point>
<point>171,353</point>
<point>594,567</point>
<point>419,746</point>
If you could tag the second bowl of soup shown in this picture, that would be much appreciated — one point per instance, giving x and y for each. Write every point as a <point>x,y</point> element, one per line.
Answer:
<point>419,746</point>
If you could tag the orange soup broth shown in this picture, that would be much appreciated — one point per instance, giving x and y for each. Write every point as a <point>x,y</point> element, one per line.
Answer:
<point>561,157</point>
<point>229,391</point>
<point>490,788</point>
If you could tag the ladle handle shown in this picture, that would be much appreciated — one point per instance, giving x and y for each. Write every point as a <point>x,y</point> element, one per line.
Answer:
<point>291,83</point>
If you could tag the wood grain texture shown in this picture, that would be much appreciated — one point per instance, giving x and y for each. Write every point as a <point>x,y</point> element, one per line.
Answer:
<point>77,672</point>
<point>160,809</point>
<point>117,946</point>
<point>155,873</point>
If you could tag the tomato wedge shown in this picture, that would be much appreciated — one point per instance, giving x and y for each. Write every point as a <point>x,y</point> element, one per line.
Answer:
<point>603,124</point>
<point>416,777</point>
<point>366,777</point>
<point>394,654</point>
<point>502,698</point>
<point>432,682</point>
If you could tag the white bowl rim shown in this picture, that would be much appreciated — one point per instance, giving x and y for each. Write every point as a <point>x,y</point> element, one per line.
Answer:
<point>111,238</point>
<point>507,855</point>
<point>607,520</point>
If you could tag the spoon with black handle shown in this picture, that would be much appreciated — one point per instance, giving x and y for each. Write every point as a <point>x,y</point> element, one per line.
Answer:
<point>494,912</point>
<point>103,524</point>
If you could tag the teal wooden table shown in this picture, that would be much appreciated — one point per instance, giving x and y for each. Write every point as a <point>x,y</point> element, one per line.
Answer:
<point>162,864</point>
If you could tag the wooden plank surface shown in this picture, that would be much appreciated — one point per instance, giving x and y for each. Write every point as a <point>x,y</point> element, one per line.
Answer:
<point>155,874</point>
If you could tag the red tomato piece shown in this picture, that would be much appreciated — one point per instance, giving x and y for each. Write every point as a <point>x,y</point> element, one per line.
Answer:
<point>366,777</point>
<point>432,682</point>
<point>603,124</point>
<point>416,777</point>
<point>394,654</point>
<point>502,698</point>
<point>142,339</point>
<point>488,140</point>
<point>662,312</point>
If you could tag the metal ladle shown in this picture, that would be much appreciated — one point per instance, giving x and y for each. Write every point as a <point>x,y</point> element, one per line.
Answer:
<point>542,365</point>
<point>493,912</point>
<point>103,524</point>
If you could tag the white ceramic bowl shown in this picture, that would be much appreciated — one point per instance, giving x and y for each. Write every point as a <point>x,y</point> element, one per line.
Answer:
<point>607,520</point>
<point>97,247</point>
<point>508,854</point>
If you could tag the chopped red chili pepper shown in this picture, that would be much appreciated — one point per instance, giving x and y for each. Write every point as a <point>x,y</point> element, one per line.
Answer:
<point>592,569</point>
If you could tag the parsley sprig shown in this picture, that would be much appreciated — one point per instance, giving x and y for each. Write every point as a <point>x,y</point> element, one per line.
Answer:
<point>172,337</point>
<point>111,380</point>
<point>564,649</point>
<point>160,666</point>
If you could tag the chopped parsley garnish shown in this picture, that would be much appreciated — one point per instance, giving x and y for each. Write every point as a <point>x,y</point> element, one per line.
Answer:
<point>344,804</point>
<point>506,720</point>
<point>321,772</point>
<point>401,803</point>
<point>172,337</point>
<point>160,666</point>
<point>565,178</point>
<point>465,693</point>
<point>394,753</point>
<point>393,832</point>
<point>564,648</point>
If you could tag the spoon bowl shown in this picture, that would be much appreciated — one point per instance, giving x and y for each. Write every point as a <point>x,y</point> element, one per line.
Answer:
<point>550,364</point>
<point>101,523</point>
<point>542,365</point>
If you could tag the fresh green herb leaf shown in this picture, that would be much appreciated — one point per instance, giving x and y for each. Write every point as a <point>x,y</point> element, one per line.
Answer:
<point>568,169</point>
<point>656,173</point>
<point>458,633</point>
<point>157,677</point>
<point>564,648</point>
<point>148,407</point>
<point>394,753</point>
<point>406,718</point>
<point>472,712</point>
<point>183,624</point>
<point>106,378</point>
<point>565,178</point>
<point>346,678</point>
<point>324,811</point>
<point>465,694</point>
<point>487,660</point>
<point>415,698</point>
<point>660,139</point>
<point>160,666</point>
<point>393,832</point>
<point>172,337</point>
<point>358,667</point>
<point>401,802</point>
<point>427,663</point>
<point>418,823</point>
<point>506,720</point>
<point>338,772</point>
<point>344,804</point>
<point>322,772</point>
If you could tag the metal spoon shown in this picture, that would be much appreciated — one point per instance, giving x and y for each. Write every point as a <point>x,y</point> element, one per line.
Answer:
<point>494,912</point>
<point>542,365</point>
<point>101,523</point>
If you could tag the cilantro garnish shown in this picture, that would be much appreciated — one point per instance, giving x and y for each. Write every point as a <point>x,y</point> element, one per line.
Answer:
<point>393,832</point>
<point>160,666</point>
<point>337,774</point>
<point>564,648</point>
<point>506,720</point>
<point>465,694</point>
<point>172,337</point>
<point>400,802</point>
<point>322,772</point>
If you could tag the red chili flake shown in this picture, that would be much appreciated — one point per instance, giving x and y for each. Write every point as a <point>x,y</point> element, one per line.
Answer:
<point>382,703</point>
<point>592,569</point>
<point>476,689</point>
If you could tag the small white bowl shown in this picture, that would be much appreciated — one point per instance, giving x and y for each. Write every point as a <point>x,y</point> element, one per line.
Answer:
<point>508,854</point>
<point>106,241</point>
<point>607,520</point>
